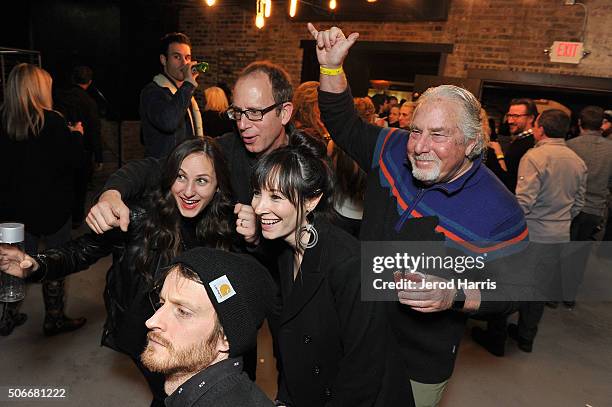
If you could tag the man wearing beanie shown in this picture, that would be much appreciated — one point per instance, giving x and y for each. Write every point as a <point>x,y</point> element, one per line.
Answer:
<point>210,307</point>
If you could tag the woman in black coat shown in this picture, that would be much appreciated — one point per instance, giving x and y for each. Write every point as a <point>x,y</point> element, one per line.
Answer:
<point>331,345</point>
<point>190,207</point>
<point>215,121</point>
<point>39,156</point>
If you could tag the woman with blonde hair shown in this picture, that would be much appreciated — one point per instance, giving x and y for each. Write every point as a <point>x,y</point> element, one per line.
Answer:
<point>39,157</point>
<point>494,155</point>
<point>306,114</point>
<point>214,120</point>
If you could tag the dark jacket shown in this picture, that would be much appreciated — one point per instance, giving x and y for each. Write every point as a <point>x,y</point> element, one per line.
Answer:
<point>515,151</point>
<point>164,119</point>
<point>332,346</point>
<point>492,163</point>
<point>474,212</point>
<point>77,106</point>
<point>126,294</point>
<point>220,385</point>
<point>36,181</point>
<point>216,124</point>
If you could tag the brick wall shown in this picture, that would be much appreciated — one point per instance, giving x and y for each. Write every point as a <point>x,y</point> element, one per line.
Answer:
<point>487,34</point>
<point>132,148</point>
<point>130,136</point>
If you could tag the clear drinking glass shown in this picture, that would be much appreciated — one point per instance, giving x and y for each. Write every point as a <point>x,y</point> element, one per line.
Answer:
<point>12,288</point>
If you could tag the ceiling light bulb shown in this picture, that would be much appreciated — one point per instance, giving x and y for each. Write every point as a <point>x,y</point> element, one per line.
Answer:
<point>332,4</point>
<point>292,8</point>
<point>259,21</point>
<point>268,8</point>
<point>210,2</point>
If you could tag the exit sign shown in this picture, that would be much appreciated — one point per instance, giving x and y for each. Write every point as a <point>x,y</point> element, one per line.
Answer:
<point>566,52</point>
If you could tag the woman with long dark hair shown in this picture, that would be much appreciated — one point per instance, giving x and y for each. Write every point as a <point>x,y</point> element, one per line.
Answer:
<point>331,345</point>
<point>349,190</point>
<point>190,207</point>
<point>39,156</point>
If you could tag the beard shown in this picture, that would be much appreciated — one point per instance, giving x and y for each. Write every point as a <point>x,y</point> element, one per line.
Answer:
<point>192,358</point>
<point>430,175</point>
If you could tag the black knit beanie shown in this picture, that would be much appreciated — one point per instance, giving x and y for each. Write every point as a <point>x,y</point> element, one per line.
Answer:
<point>241,290</point>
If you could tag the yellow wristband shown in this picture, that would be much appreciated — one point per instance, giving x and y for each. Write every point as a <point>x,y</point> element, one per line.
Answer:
<point>331,71</point>
<point>500,156</point>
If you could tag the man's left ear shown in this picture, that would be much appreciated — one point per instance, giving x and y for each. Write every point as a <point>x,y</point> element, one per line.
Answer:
<point>223,344</point>
<point>286,112</point>
<point>469,148</point>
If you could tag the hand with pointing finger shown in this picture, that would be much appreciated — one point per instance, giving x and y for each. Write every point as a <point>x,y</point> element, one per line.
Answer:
<point>332,45</point>
<point>108,213</point>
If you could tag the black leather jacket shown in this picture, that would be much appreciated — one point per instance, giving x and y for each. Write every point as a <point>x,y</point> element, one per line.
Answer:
<point>126,294</point>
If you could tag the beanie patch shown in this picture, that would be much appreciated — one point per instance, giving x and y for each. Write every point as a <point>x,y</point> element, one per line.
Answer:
<point>222,288</point>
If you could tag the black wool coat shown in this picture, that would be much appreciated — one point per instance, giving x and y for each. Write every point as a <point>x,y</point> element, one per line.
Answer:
<point>332,346</point>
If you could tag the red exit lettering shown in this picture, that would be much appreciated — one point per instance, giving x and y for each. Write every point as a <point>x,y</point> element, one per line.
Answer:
<point>567,49</point>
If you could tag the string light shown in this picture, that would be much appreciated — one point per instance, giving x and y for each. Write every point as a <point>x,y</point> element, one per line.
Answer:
<point>259,19</point>
<point>332,4</point>
<point>210,3</point>
<point>268,8</point>
<point>292,8</point>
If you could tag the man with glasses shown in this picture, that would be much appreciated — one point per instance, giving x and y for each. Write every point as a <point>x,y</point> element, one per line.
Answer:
<point>168,112</point>
<point>521,116</point>
<point>261,108</point>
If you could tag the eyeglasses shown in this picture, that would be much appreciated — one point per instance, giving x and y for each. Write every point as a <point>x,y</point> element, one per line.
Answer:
<point>516,116</point>
<point>254,115</point>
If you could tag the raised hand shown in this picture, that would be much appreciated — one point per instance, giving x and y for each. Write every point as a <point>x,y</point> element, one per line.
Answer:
<point>189,74</point>
<point>109,212</point>
<point>332,45</point>
<point>246,223</point>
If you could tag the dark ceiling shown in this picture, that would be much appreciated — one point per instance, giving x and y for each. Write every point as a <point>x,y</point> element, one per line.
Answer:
<point>349,10</point>
<point>382,10</point>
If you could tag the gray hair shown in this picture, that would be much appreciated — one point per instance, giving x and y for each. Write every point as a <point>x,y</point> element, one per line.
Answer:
<point>468,123</point>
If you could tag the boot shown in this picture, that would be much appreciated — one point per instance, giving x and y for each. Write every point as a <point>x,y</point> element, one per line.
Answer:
<point>523,344</point>
<point>55,320</point>
<point>495,344</point>
<point>11,317</point>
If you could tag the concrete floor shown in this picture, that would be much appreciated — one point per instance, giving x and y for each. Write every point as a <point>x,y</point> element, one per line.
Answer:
<point>571,364</point>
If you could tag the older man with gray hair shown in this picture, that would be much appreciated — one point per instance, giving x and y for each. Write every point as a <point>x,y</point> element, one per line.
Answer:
<point>426,184</point>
